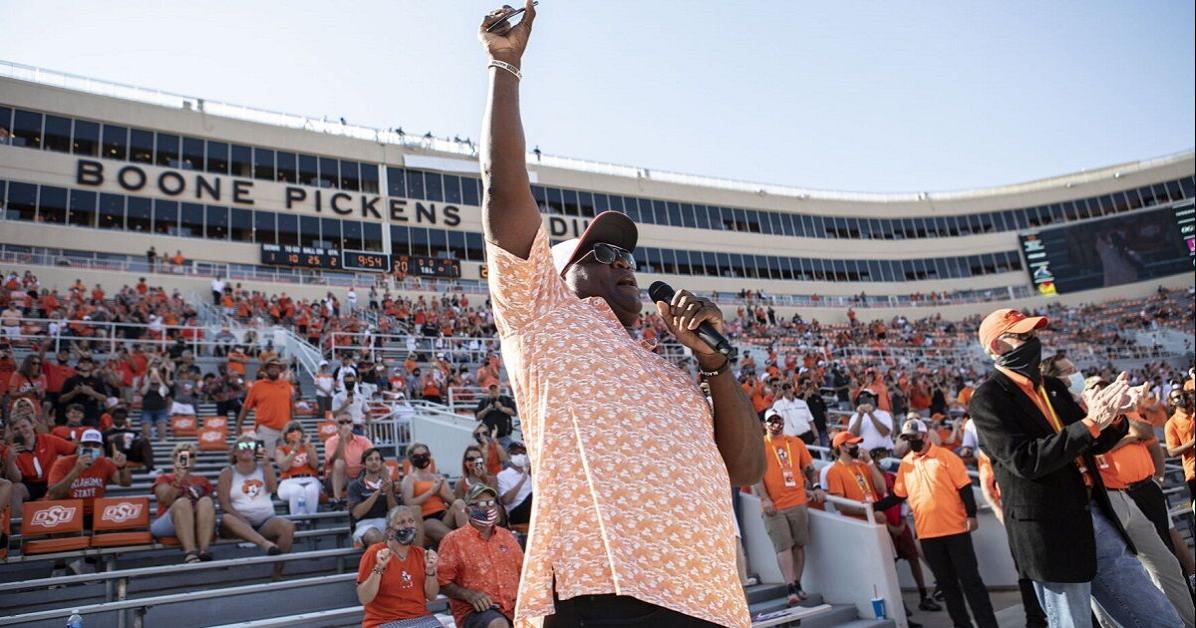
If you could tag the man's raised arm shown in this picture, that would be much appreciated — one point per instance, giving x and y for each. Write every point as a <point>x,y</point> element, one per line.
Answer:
<point>510,217</point>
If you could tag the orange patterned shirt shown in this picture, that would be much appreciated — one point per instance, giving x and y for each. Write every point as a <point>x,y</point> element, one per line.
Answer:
<point>592,403</point>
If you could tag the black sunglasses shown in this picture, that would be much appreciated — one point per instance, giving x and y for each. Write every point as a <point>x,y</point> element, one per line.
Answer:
<point>608,253</point>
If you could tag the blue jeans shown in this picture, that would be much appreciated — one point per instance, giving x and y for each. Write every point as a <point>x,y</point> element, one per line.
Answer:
<point>1121,587</point>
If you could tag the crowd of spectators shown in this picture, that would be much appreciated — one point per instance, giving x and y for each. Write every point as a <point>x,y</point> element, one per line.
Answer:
<point>71,404</point>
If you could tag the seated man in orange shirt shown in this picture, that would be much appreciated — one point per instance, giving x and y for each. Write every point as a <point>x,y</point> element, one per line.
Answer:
<point>480,565</point>
<point>86,474</point>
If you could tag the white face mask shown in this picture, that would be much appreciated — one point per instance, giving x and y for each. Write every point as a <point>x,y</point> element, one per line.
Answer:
<point>1075,383</point>
<point>519,460</point>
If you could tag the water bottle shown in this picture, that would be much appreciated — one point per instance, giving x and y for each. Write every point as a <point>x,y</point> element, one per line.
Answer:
<point>302,505</point>
<point>75,620</point>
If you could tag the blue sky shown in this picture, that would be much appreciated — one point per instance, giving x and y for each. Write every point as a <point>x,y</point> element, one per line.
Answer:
<point>866,96</point>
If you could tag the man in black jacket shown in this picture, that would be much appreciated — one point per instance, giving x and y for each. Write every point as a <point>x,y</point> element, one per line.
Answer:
<point>1062,531</point>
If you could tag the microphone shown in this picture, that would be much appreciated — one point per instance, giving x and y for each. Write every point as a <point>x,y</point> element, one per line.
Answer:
<point>661,291</point>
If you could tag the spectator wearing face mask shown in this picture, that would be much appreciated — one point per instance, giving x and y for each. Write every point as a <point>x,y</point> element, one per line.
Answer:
<point>430,491</point>
<point>480,565</point>
<point>788,481</point>
<point>935,484</point>
<point>873,425</point>
<point>352,402</point>
<point>850,477</point>
<point>515,485</point>
<point>396,578</point>
<point>87,474</point>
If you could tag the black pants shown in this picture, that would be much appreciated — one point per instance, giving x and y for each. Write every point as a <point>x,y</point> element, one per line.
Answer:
<point>615,610</point>
<point>1035,616</point>
<point>1153,503</point>
<point>521,513</point>
<point>953,562</point>
<point>808,438</point>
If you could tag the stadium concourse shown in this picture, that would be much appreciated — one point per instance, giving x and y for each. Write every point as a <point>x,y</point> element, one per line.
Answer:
<point>419,358</point>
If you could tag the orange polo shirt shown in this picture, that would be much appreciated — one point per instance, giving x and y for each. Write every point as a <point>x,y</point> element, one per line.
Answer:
<point>1179,430</point>
<point>851,480</point>
<point>786,454</point>
<point>1027,387</point>
<point>1126,465</point>
<point>930,482</point>
<point>491,566</point>
<point>272,401</point>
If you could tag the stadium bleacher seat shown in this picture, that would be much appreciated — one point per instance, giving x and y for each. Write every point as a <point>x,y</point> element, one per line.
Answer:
<point>213,439</point>
<point>48,518</point>
<point>183,425</point>
<point>121,521</point>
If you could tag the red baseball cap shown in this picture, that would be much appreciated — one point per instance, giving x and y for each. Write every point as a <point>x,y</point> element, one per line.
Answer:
<point>843,438</point>
<point>610,227</point>
<point>1007,321</point>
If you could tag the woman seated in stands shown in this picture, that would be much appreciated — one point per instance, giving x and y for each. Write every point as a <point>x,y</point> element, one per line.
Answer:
<point>430,491</point>
<point>185,508</point>
<point>473,469</point>
<point>244,489</point>
<point>396,578</point>
<point>297,458</point>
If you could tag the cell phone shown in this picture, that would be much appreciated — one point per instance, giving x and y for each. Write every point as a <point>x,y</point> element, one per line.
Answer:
<point>259,445</point>
<point>499,24</point>
<point>185,459</point>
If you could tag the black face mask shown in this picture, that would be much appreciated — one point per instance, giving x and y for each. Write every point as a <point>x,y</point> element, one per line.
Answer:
<point>853,452</point>
<point>916,444</point>
<point>1024,360</point>
<point>421,461</point>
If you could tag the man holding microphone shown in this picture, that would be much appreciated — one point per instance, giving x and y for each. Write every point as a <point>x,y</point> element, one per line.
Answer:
<point>594,404</point>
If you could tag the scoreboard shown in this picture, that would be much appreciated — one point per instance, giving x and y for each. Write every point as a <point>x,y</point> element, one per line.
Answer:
<point>427,266</point>
<point>301,256</point>
<point>368,261</point>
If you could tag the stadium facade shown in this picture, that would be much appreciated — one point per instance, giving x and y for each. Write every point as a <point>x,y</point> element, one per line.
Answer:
<point>103,171</point>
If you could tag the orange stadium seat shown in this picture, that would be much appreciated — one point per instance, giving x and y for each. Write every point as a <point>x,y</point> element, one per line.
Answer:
<point>215,423</point>
<point>183,425</point>
<point>47,518</point>
<point>121,521</point>
<point>213,439</point>
<point>326,429</point>
<point>5,529</point>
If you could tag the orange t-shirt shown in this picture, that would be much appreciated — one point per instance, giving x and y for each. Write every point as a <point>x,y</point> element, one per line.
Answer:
<point>786,457</point>
<point>851,480</point>
<point>1179,430</point>
<point>70,432</point>
<point>930,482</point>
<point>431,505</point>
<point>301,464</point>
<point>1127,465</point>
<point>89,485</point>
<point>272,400</point>
<point>401,592</point>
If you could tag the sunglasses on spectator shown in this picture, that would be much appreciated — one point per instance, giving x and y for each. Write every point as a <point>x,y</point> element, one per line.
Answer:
<point>476,460</point>
<point>347,422</point>
<point>607,254</point>
<point>1022,336</point>
<point>246,445</point>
